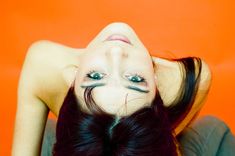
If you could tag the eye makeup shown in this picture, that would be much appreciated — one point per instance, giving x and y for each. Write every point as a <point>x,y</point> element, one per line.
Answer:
<point>128,87</point>
<point>94,75</point>
<point>134,78</point>
<point>94,78</point>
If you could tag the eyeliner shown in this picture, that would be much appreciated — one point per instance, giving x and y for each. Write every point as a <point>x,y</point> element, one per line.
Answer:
<point>103,84</point>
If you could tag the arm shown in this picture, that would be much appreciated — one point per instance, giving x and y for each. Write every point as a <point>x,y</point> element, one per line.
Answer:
<point>42,87</point>
<point>168,78</point>
<point>203,89</point>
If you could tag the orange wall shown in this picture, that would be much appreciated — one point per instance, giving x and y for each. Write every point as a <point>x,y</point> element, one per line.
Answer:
<point>203,28</point>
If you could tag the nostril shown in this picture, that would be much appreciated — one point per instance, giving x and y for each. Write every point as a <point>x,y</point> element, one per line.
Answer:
<point>116,56</point>
<point>117,51</point>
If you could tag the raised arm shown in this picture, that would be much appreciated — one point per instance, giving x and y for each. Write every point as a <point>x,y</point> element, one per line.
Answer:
<point>42,87</point>
<point>169,79</point>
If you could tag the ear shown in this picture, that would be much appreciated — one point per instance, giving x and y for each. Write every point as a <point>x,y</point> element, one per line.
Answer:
<point>69,74</point>
<point>70,71</point>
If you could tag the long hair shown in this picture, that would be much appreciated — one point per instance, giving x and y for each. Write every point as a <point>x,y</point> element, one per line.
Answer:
<point>146,132</point>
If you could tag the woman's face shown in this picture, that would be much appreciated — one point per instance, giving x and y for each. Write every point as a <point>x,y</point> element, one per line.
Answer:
<point>117,62</point>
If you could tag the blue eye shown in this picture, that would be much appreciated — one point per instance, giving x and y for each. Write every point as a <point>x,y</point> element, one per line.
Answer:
<point>135,78</point>
<point>98,76</point>
<point>95,75</point>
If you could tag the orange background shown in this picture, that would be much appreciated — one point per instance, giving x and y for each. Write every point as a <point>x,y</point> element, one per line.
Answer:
<point>203,28</point>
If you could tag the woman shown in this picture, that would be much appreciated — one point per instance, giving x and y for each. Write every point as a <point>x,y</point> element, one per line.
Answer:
<point>124,81</point>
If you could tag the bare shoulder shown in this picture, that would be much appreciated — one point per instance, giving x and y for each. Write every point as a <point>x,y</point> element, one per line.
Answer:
<point>206,76</point>
<point>45,48</point>
<point>41,87</point>
<point>200,98</point>
<point>43,71</point>
<point>169,78</point>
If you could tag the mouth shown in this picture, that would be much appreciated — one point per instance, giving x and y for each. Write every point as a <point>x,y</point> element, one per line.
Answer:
<point>118,37</point>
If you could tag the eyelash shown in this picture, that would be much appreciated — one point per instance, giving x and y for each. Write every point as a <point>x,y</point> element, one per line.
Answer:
<point>141,77</point>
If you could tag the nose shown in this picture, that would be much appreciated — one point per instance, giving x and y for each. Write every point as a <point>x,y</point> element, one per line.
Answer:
<point>116,55</point>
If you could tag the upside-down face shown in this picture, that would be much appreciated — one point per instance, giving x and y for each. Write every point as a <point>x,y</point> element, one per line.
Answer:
<point>120,67</point>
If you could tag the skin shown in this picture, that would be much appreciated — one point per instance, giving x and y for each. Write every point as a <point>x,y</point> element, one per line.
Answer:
<point>50,69</point>
<point>118,61</point>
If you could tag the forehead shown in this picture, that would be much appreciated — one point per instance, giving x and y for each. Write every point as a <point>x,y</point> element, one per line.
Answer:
<point>117,100</point>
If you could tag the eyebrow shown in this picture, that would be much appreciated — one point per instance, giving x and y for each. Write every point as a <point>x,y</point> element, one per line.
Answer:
<point>128,87</point>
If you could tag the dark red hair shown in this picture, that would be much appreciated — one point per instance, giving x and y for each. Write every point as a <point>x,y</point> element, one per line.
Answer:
<point>146,132</point>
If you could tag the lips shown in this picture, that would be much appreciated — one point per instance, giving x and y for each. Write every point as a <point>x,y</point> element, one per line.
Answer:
<point>118,37</point>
